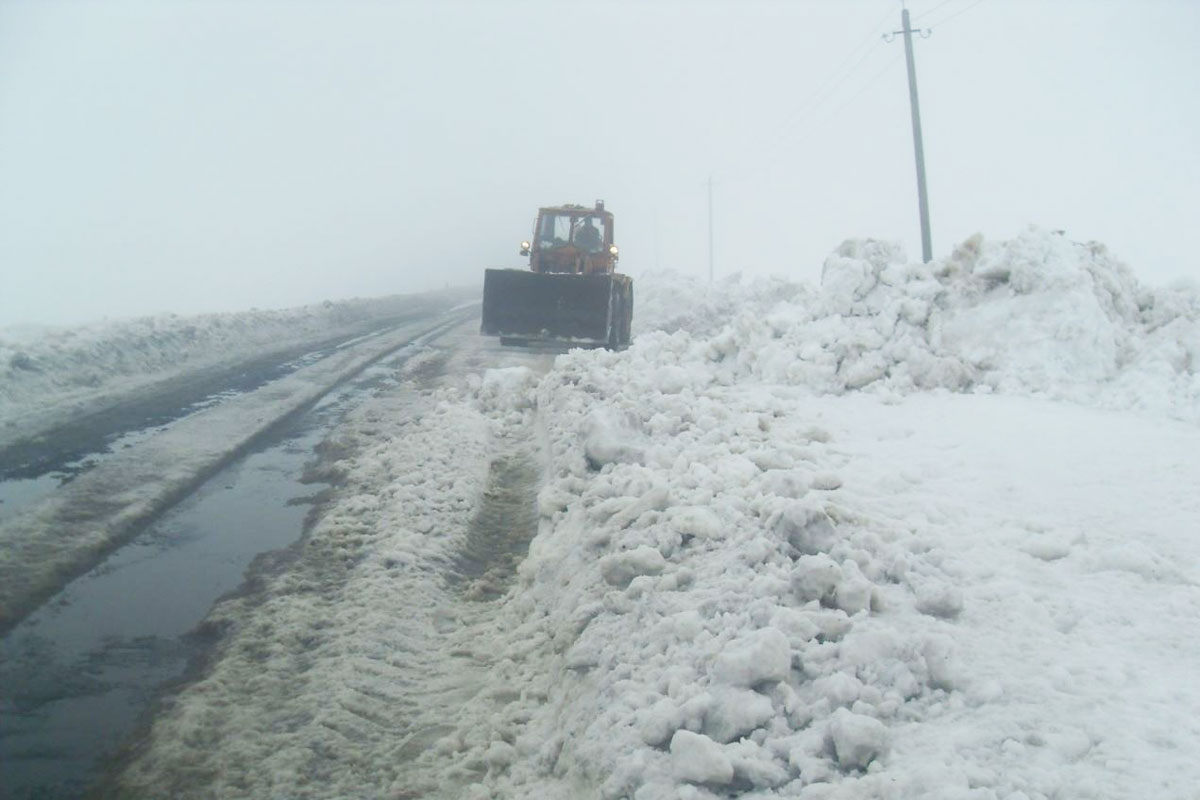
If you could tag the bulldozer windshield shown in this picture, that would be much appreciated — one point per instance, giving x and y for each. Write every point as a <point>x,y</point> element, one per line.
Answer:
<point>554,231</point>
<point>588,234</point>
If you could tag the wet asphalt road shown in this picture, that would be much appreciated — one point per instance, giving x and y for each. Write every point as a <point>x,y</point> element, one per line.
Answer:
<point>78,673</point>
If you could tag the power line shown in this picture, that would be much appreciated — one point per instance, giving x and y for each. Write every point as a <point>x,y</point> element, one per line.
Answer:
<point>927,12</point>
<point>955,15</point>
<point>841,71</point>
<point>806,128</point>
<point>875,76</point>
<point>846,68</point>
<point>817,113</point>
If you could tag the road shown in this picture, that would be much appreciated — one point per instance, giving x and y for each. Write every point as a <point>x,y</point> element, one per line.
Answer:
<point>134,549</point>
<point>131,474</point>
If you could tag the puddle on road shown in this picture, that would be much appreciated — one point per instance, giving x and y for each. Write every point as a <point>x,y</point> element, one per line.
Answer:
<point>79,444</point>
<point>76,675</point>
<point>77,672</point>
<point>18,494</point>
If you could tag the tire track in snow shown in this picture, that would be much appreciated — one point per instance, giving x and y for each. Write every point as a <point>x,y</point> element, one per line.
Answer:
<point>499,534</point>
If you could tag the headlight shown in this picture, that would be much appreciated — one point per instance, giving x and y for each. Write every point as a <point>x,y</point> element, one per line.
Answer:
<point>613,249</point>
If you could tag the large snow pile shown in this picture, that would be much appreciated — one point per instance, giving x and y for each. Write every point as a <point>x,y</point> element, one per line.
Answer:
<point>1037,315</point>
<point>752,579</point>
<point>750,591</point>
<point>55,365</point>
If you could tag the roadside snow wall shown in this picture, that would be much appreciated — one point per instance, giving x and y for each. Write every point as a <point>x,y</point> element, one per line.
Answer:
<point>706,612</point>
<point>1037,315</point>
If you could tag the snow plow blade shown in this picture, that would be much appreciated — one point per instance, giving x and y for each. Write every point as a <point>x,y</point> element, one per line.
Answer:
<point>579,310</point>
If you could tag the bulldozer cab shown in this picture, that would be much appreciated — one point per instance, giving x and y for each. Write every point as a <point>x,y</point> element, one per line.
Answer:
<point>572,239</point>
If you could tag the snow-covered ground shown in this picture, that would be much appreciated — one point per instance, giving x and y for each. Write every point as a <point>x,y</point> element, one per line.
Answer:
<point>47,373</point>
<point>922,531</point>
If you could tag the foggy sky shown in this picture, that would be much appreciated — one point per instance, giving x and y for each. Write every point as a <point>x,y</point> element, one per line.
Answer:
<point>203,156</point>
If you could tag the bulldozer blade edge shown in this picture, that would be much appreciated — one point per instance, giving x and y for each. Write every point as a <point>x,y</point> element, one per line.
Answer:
<point>571,309</point>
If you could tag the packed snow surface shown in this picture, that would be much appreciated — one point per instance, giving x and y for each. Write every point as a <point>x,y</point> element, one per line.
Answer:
<point>922,531</point>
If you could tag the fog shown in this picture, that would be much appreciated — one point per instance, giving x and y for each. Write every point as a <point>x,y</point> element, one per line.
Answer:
<point>206,156</point>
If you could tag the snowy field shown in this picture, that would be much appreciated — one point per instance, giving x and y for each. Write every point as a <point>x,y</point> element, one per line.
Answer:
<point>922,531</point>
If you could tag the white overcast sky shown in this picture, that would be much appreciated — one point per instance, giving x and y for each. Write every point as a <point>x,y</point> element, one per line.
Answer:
<point>204,156</point>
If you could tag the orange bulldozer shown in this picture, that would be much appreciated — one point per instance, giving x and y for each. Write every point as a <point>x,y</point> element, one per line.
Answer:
<point>571,294</point>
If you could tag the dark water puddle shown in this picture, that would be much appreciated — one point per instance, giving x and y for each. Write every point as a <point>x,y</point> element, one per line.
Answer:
<point>76,675</point>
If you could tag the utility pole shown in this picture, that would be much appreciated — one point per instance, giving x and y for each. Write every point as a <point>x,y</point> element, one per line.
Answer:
<point>922,198</point>
<point>657,260</point>
<point>710,231</point>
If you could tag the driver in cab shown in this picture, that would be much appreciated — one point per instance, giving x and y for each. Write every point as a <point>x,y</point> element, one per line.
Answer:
<point>588,238</point>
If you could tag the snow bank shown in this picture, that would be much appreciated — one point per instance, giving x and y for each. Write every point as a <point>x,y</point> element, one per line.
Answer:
<point>49,366</point>
<point>820,597</point>
<point>670,302</point>
<point>1038,315</point>
<point>710,616</point>
<point>727,596</point>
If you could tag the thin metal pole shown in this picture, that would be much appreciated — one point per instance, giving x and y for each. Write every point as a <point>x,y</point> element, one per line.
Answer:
<point>657,260</point>
<point>922,197</point>
<point>710,231</point>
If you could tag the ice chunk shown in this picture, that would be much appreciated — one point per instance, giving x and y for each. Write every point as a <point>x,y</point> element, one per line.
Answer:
<point>853,593</point>
<point>816,577</point>
<point>798,625</point>
<point>619,569</point>
<point>608,440</point>
<point>940,600</point>
<point>659,722</point>
<point>1048,548</point>
<point>827,481</point>
<point>939,660</point>
<point>696,521</point>
<point>656,499</point>
<point>840,688</point>
<point>501,385</point>
<point>755,765</point>
<point>806,528</point>
<point>500,754</point>
<point>772,460</point>
<point>758,657</point>
<point>1070,743</point>
<point>687,625</point>
<point>784,483</point>
<point>735,713</point>
<point>697,758</point>
<point>856,739</point>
